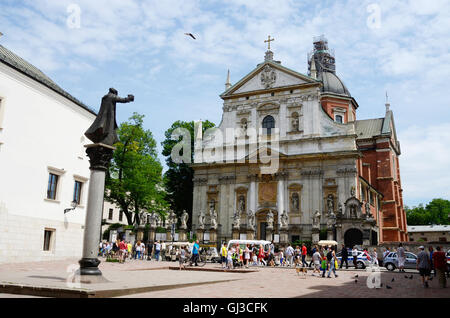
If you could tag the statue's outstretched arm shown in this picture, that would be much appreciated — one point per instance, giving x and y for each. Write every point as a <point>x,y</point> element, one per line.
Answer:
<point>128,99</point>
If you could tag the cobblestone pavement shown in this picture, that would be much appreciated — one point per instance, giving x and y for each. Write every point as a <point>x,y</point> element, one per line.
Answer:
<point>265,282</point>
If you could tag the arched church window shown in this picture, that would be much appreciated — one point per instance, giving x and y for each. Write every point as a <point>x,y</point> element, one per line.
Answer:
<point>268,123</point>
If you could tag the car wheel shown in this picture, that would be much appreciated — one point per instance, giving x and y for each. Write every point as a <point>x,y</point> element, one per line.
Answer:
<point>390,267</point>
<point>360,265</point>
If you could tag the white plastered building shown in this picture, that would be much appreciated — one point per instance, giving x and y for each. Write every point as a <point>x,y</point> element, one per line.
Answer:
<point>43,165</point>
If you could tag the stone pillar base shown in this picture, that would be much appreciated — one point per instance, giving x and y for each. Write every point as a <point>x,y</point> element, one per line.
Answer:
<point>250,235</point>
<point>89,267</point>
<point>152,234</point>
<point>140,234</point>
<point>213,236</point>
<point>200,234</point>
<point>169,236</point>
<point>315,236</point>
<point>284,236</point>
<point>269,234</point>
<point>182,237</point>
<point>236,234</point>
<point>330,236</point>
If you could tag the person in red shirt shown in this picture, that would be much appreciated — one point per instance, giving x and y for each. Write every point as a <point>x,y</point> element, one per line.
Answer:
<point>440,265</point>
<point>304,252</point>
<point>123,250</point>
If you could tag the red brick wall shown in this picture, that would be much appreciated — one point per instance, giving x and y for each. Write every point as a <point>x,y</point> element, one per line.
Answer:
<point>377,168</point>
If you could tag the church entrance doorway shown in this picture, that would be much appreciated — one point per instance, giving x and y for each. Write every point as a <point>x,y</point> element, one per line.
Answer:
<point>353,237</point>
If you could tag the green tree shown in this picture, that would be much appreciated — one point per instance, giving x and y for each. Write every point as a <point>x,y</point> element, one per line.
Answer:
<point>134,179</point>
<point>178,177</point>
<point>435,212</point>
<point>439,210</point>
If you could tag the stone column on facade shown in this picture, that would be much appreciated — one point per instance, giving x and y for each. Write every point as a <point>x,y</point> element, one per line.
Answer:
<point>99,157</point>
<point>253,194</point>
<point>280,200</point>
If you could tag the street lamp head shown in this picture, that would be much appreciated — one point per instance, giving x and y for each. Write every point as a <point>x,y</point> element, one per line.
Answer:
<point>73,205</point>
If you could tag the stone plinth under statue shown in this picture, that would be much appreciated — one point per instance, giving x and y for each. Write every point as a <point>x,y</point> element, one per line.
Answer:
<point>284,235</point>
<point>269,233</point>
<point>152,234</point>
<point>236,234</point>
<point>182,236</point>
<point>140,233</point>
<point>200,233</point>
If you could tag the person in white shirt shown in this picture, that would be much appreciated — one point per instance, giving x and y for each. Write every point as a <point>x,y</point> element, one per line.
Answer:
<point>355,256</point>
<point>290,255</point>
<point>316,258</point>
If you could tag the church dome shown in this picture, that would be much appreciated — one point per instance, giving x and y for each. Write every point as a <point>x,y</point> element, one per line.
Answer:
<point>333,84</point>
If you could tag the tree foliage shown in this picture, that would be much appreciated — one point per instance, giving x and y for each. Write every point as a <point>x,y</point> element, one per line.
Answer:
<point>435,212</point>
<point>178,177</point>
<point>134,179</point>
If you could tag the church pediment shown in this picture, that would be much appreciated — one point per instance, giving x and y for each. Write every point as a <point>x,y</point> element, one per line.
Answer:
<point>267,76</point>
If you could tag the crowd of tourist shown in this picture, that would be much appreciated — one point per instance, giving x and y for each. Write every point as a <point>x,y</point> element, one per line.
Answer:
<point>323,260</point>
<point>123,250</point>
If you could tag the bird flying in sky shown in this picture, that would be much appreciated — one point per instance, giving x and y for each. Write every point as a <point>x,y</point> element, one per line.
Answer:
<point>192,36</point>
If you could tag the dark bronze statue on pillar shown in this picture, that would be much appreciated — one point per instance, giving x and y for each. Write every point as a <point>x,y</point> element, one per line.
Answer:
<point>103,130</point>
<point>103,134</point>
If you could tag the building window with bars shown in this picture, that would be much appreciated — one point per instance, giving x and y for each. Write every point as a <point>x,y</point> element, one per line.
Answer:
<point>110,216</point>
<point>120,216</point>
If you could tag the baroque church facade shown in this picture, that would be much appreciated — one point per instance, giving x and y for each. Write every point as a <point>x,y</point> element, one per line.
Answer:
<point>302,165</point>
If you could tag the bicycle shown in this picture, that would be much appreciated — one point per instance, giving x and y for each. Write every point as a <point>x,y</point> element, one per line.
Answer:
<point>201,261</point>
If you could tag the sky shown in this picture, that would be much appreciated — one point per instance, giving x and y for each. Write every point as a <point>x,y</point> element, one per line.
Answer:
<point>139,47</point>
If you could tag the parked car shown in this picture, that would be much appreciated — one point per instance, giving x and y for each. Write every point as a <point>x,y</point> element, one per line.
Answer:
<point>210,251</point>
<point>391,261</point>
<point>361,263</point>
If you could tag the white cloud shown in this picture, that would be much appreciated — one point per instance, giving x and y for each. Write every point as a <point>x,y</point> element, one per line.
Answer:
<point>424,162</point>
<point>409,55</point>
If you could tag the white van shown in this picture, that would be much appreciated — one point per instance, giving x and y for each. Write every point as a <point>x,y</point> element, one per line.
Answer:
<point>243,244</point>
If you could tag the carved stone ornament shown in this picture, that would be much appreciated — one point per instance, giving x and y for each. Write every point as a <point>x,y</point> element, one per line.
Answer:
<point>251,220</point>
<point>99,156</point>
<point>316,220</point>
<point>214,220</point>
<point>268,77</point>
<point>284,220</point>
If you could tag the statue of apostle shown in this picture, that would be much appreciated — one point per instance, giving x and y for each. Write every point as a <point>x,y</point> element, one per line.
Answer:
<point>184,219</point>
<point>103,130</point>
